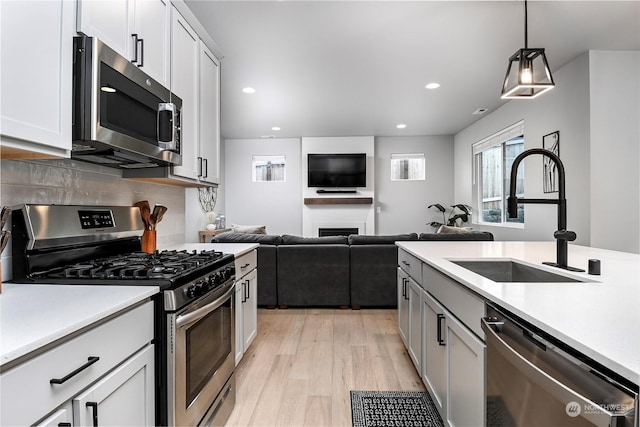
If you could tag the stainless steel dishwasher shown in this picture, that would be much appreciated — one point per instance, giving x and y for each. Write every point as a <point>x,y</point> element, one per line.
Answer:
<point>532,380</point>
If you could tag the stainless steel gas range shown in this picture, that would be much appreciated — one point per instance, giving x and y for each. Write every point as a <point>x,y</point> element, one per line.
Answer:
<point>195,320</point>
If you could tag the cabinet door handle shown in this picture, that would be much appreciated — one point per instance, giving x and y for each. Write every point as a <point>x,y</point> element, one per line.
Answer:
<point>248,290</point>
<point>404,288</point>
<point>206,168</point>
<point>141,41</point>
<point>64,424</point>
<point>91,361</point>
<point>94,408</point>
<point>135,48</point>
<point>199,166</point>
<point>440,339</point>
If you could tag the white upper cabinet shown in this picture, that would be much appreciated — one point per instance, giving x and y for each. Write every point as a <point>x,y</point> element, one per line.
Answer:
<point>209,146</point>
<point>136,29</point>
<point>151,24</point>
<point>184,83</point>
<point>36,75</point>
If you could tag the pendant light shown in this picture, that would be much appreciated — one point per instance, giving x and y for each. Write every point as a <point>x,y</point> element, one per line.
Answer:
<point>528,73</point>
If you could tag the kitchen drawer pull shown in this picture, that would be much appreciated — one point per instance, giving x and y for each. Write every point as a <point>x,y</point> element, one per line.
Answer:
<point>64,424</point>
<point>245,266</point>
<point>94,407</point>
<point>440,340</point>
<point>408,264</point>
<point>91,361</point>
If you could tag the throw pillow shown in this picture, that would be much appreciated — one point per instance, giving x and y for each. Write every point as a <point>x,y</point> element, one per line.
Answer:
<point>249,229</point>
<point>445,229</point>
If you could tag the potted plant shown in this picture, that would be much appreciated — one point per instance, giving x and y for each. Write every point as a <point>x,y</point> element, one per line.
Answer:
<point>459,214</point>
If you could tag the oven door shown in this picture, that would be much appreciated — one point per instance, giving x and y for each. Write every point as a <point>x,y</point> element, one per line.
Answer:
<point>200,356</point>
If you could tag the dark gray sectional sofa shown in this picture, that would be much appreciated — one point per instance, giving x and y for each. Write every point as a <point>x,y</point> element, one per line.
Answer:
<point>335,271</point>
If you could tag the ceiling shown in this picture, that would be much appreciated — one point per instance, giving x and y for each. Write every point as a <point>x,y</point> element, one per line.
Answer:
<point>346,68</point>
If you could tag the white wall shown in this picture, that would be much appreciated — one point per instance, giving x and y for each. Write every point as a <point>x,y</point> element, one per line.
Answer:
<point>403,204</point>
<point>274,204</point>
<point>585,106</point>
<point>615,150</point>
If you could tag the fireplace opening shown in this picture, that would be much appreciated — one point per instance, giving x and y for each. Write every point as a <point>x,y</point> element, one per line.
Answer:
<point>335,231</point>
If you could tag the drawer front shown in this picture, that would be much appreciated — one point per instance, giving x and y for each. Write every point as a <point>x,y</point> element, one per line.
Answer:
<point>27,391</point>
<point>246,263</point>
<point>411,265</point>
<point>464,305</point>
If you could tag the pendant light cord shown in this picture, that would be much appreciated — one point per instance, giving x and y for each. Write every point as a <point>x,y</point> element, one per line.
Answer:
<point>526,45</point>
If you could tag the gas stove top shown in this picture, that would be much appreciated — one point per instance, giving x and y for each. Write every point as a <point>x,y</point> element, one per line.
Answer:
<point>161,266</point>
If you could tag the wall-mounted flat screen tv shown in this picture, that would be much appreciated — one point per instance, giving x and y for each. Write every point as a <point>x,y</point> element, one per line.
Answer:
<point>337,170</point>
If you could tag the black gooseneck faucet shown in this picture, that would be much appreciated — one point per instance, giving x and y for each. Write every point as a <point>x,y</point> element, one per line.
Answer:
<point>562,235</point>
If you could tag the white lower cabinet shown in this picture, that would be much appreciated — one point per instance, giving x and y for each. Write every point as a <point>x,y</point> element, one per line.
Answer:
<point>434,354</point>
<point>415,323</point>
<point>465,375</point>
<point>439,323</point>
<point>122,397</point>
<point>403,306</point>
<point>246,302</point>
<point>111,364</point>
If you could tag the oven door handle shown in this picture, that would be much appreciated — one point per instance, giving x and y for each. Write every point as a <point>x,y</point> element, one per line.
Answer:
<point>597,415</point>
<point>187,319</point>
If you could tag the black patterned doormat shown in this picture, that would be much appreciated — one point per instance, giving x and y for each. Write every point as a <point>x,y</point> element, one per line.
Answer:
<point>393,408</point>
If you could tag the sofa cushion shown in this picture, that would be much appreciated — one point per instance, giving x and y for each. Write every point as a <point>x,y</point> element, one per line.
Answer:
<point>249,229</point>
<point>359,239</point>
<point>373,275</point>
<point>326,240</point>
<point>231,237</point>
<point>446,229</point>
<point>444,237</point>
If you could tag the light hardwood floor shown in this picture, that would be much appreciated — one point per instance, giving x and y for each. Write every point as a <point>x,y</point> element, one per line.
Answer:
<point>304,362</point>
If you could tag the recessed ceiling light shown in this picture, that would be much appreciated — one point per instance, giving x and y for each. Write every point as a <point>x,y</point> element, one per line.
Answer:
<point>267,136</point>
<point>249,90</point>
<point>275,128</point>
<point>433,85</point>
<point>401,126</point>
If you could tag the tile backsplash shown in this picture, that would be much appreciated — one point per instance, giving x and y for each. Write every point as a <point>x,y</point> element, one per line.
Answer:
<point>69,182</point>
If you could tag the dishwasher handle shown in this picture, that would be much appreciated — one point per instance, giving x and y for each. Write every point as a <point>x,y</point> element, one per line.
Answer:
<point>596,414</point>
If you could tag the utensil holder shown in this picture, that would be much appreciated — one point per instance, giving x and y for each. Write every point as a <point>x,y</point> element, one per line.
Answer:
<point>149,241</point>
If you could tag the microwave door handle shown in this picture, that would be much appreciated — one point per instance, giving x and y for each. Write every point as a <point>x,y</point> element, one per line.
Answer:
<point>598,416</point>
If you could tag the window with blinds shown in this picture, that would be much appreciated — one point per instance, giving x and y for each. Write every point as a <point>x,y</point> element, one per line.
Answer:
<point>492,160</point>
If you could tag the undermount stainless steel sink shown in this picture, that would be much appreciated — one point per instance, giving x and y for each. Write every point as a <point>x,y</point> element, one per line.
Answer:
<point>511,271</point>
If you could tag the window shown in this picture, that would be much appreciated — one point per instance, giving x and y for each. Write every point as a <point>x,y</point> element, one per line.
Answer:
<point>493,157</point>
<point>268,168</point>
<point>407,167</point>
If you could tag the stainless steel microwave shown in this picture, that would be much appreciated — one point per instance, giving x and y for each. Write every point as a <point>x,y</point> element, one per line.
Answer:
<point>122,118</point>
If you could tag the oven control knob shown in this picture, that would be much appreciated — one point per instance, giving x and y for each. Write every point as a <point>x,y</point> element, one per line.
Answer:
<point>217,279</point>
<point>190,292</point>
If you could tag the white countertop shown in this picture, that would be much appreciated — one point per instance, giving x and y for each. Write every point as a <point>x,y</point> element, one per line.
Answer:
<point>32,316</point>
<point>237,249</point>
<point>601,318</point>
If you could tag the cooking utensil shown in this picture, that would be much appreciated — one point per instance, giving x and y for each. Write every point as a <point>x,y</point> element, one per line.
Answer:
<point>145,212</point>
<point>153,218</point>
<point>4,239</point>
<point>4,215</point>
<point>161,211</point>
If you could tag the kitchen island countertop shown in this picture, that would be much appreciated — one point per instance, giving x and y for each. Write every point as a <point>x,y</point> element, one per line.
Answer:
<point>599,318</point>
<point>35,315</point>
